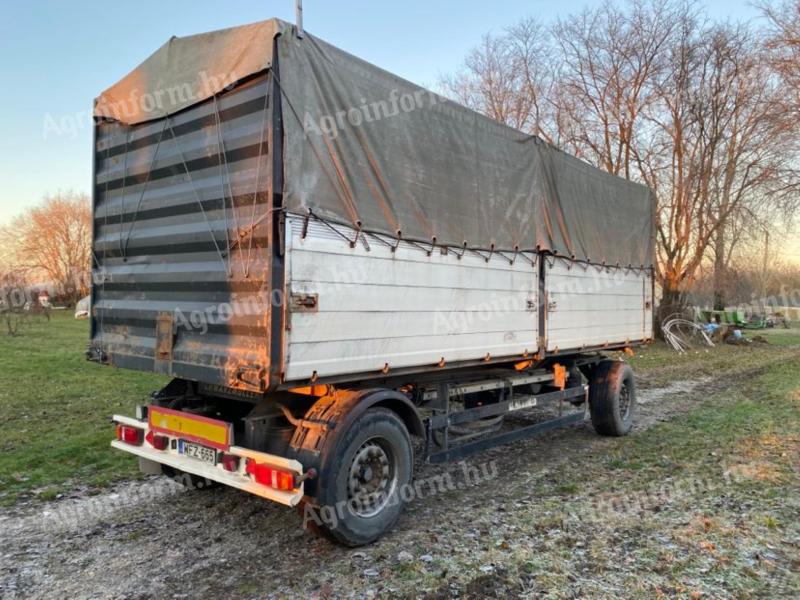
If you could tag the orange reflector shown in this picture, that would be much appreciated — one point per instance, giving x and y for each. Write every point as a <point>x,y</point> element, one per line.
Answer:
<point>559,376</point>
<point>270,476</point>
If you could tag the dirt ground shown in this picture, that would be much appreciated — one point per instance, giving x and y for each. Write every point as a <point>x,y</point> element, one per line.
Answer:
<point>566,515</point>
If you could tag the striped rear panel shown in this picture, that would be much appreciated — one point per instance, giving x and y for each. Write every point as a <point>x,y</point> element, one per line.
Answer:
<point>181,253</point>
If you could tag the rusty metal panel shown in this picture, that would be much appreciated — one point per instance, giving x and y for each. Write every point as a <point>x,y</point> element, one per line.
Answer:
<point>182,254</point>
<point>165,336</point>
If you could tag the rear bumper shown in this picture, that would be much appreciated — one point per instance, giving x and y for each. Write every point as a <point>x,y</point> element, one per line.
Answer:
<point>239,479</point>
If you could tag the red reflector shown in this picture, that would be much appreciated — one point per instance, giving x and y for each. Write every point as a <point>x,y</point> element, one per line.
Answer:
<point>159,442</point>
<point>230,462</point>
<point>270,476</point>
<point>129,435</point>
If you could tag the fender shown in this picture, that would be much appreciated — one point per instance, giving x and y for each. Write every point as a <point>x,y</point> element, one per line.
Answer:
<point>330,416</point>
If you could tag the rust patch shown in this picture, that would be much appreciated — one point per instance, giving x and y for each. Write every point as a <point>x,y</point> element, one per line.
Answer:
<point>165,336</point>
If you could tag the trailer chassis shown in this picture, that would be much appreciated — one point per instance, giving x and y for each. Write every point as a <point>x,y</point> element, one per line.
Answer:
<point>353,445</point>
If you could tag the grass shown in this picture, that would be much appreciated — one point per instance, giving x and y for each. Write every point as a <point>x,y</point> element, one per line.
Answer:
<point>660,365</point>
<point>698,502</point>
<point>765,407</point>
<point>55,407</point>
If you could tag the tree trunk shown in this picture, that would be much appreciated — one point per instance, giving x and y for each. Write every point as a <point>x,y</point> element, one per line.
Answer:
<point>720,278</point>
<point>673,300</point>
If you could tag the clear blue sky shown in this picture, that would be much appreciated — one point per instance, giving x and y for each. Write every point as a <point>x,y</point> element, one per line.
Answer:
<point>56,56</point>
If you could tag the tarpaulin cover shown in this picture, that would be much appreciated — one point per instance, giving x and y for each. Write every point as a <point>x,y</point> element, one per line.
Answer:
<point>365,147</point>
<point>188,70</point>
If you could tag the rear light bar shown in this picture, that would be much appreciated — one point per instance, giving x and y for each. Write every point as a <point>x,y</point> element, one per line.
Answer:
<point>159,442</point>
<point>270,476</point>
<point>129,435</point>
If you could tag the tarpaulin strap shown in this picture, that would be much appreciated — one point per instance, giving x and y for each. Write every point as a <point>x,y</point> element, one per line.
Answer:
<point>428,250</point>
<point>222,156</point>
<point>517,254</point>
<point>197,197</point>
<point>433,246</point>
<point>513,258</point>
<point>601,267</point>
<point>365,241</point>
<point>144,191</point>
<point>392,246</point>
<point>479,253</point>
<point>351,243</point>
<point>399,239</point>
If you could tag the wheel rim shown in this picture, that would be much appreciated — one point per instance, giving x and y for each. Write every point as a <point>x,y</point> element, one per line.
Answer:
<point>624,401</point>
<point>372,478</point>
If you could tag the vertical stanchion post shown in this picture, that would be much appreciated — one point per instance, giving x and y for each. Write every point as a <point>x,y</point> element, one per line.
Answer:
<point>298,17</point>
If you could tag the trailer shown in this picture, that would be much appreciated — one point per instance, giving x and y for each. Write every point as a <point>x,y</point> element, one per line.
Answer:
<point>338,269</point>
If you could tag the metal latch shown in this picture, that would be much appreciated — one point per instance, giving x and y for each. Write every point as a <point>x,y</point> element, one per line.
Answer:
<point>304,302</point>
<point>251,376</point>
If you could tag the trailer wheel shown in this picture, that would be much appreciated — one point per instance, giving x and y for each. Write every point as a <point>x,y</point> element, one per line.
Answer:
<point>360,494</point>
<point>612,398</point>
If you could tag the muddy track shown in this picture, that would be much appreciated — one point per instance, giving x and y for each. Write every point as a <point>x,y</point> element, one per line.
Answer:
<point>153,539</point>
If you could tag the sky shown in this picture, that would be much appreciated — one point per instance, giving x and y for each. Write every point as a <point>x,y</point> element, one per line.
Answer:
<point>56,56</point>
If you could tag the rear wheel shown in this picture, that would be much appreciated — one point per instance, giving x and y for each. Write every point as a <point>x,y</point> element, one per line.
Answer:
<point>361,489</point>
<point>612,398</point>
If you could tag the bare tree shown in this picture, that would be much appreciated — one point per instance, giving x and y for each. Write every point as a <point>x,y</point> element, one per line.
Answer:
<point>783,44</point>
<point>611,58</point>
<point>651,91</point>
<point>53,241</point>
<point>508,77</point>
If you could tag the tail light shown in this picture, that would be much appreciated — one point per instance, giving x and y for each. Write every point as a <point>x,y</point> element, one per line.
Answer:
<point>129,435</point>
<point>270,476</point>
<point>230,463</point>
<point>159,442</point>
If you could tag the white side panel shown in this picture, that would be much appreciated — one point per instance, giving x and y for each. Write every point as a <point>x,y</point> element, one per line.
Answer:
<point>593,306</point>
<point>404,308</point>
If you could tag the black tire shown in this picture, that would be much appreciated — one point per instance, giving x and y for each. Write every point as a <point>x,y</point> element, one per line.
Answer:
<point>612,398</point>
<point>188,480</point>
<point>357,509</point>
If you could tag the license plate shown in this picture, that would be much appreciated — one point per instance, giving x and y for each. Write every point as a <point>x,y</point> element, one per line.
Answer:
<point>196,451</point>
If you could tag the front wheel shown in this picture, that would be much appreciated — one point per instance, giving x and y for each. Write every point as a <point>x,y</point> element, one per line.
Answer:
<point>367,475</point>
<point>612,398</point>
